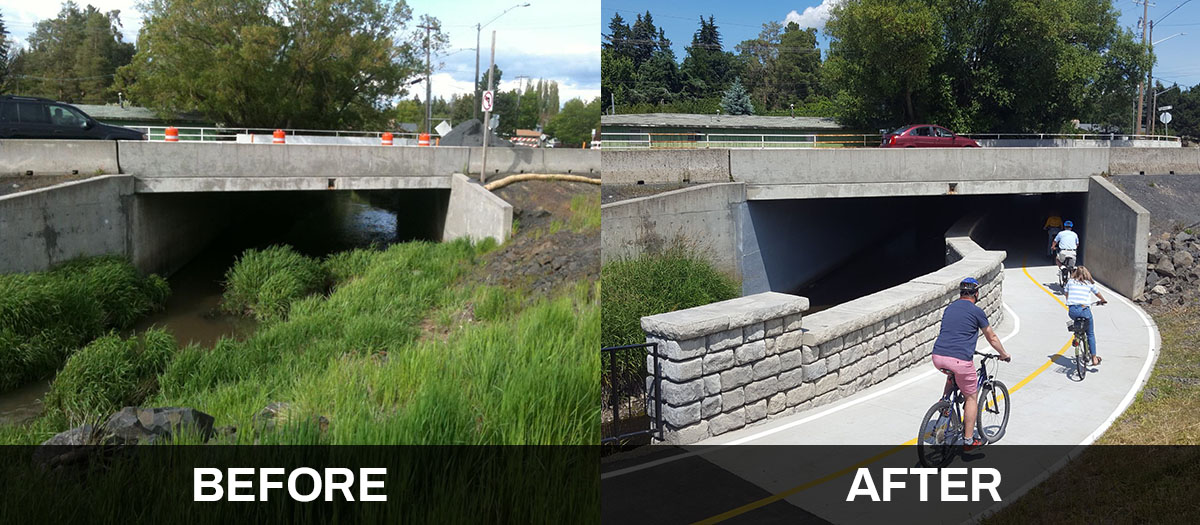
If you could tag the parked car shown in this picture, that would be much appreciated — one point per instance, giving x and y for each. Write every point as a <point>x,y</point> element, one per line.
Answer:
<point>926,136</point>
<point>39,118</point>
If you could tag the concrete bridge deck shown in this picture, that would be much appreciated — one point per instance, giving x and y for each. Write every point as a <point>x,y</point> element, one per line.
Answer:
<point>1049,407</point>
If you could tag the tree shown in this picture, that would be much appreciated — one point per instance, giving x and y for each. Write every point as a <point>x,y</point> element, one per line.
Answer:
<point>798,68</point>
<point>72,57</point>
<point>1004,66</point>
<point>736,100</point>
<point>657,81</point>
<point>574,124</point>
<point>277,63</point>
<point>412,112</point>
<point>3,53</point>
<point>708,69</point>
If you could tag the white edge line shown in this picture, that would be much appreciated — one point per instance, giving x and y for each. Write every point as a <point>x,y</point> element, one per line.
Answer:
<point>1143,376</point>
<point>1016,328</point>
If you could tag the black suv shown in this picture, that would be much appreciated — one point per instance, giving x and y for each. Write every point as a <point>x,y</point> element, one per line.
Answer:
<point>39,118</point>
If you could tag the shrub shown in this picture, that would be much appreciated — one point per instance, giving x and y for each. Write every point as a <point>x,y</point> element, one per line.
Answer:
<point>264,283</point>
<point>110,373</point>
<point>341,267</point>
<point>672,280</point>
<point>44,316</point>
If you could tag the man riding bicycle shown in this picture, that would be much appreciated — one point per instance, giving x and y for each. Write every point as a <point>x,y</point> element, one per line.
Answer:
<point>954,352</point>
<point>1066,242</point>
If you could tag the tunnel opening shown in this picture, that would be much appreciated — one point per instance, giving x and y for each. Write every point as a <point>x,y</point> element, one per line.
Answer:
<point>836,250</point>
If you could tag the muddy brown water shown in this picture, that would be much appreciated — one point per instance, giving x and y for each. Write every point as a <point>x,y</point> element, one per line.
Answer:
<point>192,313</point>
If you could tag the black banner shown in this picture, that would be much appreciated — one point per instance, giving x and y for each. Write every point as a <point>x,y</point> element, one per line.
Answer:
<point>421,484</point>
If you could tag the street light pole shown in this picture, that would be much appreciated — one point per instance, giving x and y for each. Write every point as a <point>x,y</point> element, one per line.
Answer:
<point>487,115</point>
<point>1142,85</point>
<point>428,80</point>
<point>478,29</point>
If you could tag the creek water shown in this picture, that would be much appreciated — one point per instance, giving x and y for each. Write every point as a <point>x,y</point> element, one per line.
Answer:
<point>329,223</point>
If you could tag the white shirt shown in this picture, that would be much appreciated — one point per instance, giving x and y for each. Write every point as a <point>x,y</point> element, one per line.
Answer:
<point>1067,240</point>
<point>1079,292</point>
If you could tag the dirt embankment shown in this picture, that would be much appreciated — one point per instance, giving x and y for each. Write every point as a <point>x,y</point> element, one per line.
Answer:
<point>536,257</point>
<point>1173,254</point>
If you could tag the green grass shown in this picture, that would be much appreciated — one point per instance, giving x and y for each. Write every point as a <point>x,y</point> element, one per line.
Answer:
<point>45,316</point>
<point>265,283</point>
<point>585,212</point>
<point>675,279</point>
<point>520,372</point>
<point>1151,483</point>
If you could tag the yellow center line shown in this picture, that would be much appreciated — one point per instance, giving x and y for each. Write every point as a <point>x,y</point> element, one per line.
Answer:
<point>830,477</point>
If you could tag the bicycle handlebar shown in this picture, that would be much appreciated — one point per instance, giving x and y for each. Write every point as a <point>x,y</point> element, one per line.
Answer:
<point>991,356</point>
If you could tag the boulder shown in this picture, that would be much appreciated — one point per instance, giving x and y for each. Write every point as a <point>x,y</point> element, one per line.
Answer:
<point>1164,246</point>
<point>1159,290</point>
<point>1183,237</point>
<point>1182,260</point>
<point>1164,267</point>
<point>65,447</point>
<point>134,425</point>
<point>1152,257</point>
<point>1151,278</point>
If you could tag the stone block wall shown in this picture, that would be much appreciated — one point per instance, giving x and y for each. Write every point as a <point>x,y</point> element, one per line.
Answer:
<point>735,363</point>
<point>725,365</point>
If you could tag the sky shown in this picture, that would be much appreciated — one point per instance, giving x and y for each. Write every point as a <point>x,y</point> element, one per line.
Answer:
<point>551,39</point>
<point>738,21</point>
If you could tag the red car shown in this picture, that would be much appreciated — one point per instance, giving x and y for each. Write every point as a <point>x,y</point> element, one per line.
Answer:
<point>926,136</point>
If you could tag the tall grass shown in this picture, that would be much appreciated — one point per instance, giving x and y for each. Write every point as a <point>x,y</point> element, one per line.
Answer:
<point>585,212</point>
<point>110,373</point>
<point>264,283</point>
<point>45,316</point>
<point>674,279</point>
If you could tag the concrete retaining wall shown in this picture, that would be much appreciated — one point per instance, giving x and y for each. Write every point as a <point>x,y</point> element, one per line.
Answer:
<point>476,213</point>
<point>58,157</point>
<point>1115,246</point>
<point>1156,161</point>
<point>704,216</point>
<point>224,159</point>
<point>43,227</point>
<point>168,230</point>
<point>666,166</point>
<point>730,364</point>
<point>502,161</point>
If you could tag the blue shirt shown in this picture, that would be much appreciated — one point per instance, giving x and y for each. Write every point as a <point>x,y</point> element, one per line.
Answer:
<point>961,323</point>
<point>1079,292</point>
<point>1067,240</point>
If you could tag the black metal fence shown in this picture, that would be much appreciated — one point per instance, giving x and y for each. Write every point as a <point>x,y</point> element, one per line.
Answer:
<point>625,415</point>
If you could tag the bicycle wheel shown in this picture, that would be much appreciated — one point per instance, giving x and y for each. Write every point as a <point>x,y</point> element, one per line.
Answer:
<point>1082,359</point>
<point>993,411</point>
<point>940,431</point>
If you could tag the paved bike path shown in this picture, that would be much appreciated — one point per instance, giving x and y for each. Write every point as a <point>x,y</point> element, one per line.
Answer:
<point>1050,406</point>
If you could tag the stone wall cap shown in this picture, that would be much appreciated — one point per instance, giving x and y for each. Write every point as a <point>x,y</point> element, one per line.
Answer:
<point>724,315</point>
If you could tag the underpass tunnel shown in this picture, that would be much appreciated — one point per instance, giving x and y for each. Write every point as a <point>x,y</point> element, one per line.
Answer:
<point>836,250</point>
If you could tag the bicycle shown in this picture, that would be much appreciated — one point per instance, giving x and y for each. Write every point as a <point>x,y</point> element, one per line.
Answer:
<point>1078,327</point>
<point>942,427</point>
<point>1064,274</point>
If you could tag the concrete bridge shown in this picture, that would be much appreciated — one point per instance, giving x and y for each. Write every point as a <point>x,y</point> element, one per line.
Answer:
<point>158,202</point>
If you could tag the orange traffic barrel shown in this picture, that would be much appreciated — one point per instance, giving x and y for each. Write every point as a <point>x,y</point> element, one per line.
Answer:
<point>277,137</point>
<point>172,134</point>
<point>423,139</point>
<point>387,138</point>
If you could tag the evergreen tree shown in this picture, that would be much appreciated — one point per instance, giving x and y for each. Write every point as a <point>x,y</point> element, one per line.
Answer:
<point>707,69</point>
<point>736,100</point>
<point>3,53</point>
<point>74,56</point>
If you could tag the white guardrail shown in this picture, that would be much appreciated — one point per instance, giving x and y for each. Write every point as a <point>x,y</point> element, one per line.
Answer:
<point>209,134</point>
<point>823,140</point>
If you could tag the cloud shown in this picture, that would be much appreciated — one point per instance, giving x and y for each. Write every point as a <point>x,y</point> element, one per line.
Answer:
<point>812,16</point>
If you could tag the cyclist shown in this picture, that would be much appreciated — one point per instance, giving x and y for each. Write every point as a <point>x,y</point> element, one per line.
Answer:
<point>954,352</point>
<point>1066,242</point>
<point>1081,293</point>
<point>1053,225</point>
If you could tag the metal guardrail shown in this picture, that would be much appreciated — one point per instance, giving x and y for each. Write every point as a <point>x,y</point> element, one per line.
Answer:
<point>625,394</point>
<point>208,134</point>
<point>817,140</point>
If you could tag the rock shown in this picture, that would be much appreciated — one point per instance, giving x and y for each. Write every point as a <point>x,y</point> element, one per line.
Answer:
<point>1164,245</point>
<point>1182,260</point>
<point>1183,237</point>
<point>1151,278</point>
<point>1164,267</point>
<point>133,425</point>
<point>1152,258</point>
<point>1159,290</point>
<point>65,447</point>
<point>1152,250</point>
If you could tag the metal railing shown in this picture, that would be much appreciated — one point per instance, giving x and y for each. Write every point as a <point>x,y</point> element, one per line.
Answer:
<point>625,394</point>
<point>629,141</point>
<point>209,134</point>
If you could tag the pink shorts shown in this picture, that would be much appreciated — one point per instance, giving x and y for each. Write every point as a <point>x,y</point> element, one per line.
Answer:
<point>964,372</point>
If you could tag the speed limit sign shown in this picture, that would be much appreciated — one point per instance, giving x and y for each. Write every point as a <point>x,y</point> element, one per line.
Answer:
<point>487,100</point>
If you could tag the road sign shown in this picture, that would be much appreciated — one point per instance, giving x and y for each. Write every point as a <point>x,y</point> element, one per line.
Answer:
<point>443,128</point>
<point>1164,108</point>
<point>1165,118</point>
<point>487,100</point>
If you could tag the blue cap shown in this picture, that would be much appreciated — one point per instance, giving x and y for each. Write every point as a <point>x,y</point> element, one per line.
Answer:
<point>1068,224</point>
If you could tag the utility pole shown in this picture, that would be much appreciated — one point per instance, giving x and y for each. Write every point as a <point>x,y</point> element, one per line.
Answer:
<point>487,115</point>
<point>475,110</point>
<point>1145,22</point>
<point>428,81</point>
